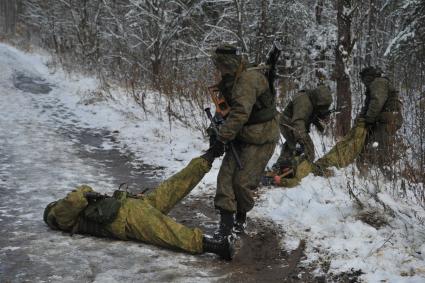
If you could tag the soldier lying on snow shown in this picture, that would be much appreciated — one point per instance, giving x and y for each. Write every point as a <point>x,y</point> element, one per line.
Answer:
<point>128,217</point>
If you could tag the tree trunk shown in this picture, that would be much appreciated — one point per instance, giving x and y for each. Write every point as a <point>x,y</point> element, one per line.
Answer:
<point>370,34</point>
<point>342,54</point>
<point>156,72</point>
<point>8,16</point>
<point>319,10</point>
<point>261,32</point>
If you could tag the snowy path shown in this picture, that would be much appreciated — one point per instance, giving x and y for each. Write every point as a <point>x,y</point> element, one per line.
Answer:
<point>44,152</point>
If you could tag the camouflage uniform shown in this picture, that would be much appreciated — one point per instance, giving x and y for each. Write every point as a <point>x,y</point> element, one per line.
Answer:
<point>382,114</point>
<point>341,155</point>
<point>295,121</point>
<point>143,219</point>
<point>252,126</point>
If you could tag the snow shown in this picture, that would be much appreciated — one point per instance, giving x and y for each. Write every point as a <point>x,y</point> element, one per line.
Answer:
<point>36,160</point>
<point>40,161</point>
<point>321,212</point>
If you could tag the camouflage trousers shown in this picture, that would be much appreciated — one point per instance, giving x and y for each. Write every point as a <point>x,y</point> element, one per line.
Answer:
<point>234,186</point>
<point>341,155</point>
<point>146,218</point>
<point>288,152</point>
<point>346,150</point>
<point>380,149</point>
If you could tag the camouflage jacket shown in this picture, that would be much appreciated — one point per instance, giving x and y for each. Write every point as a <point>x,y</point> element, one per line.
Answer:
<point>299,113</point>
<point>380,97</point>
<point>66,216</point>
<point>303,109</point>
<point>243,94</point>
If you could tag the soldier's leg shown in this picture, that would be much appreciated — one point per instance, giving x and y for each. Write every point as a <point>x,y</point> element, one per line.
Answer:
<point>146,223</point>
<point>381,152</point>
<point>254,159</point>
<point>365,158</point>
<point>225,200</point>
<point>375,146</point>
<point>309,148</point>
<point>288,148</point>
<point>225,196</point>
<point>175,188</point>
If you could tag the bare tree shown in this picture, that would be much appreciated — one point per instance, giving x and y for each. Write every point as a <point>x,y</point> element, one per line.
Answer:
<point>342,71</point>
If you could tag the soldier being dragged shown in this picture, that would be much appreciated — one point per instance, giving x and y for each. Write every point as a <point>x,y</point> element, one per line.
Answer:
<point>140,218</point>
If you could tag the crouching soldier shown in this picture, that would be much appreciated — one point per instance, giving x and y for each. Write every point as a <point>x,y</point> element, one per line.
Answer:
<point>382,114</point>
<point>144,218</point>
<point>308,107</point>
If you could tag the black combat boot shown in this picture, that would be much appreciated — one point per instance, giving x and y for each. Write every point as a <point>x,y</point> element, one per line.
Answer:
<point>224,247</point>
<point>226,225</point>
<point>240,222</point>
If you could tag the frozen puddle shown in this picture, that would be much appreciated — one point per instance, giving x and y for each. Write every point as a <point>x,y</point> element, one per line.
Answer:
<point>31,84</point>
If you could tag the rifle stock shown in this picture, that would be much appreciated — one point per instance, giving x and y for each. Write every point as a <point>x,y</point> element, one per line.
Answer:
<point>220,103</point>
<point>271,62</point>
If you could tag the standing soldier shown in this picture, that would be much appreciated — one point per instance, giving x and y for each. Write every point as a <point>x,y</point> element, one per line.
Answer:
<point>382,114</point>
<point>252,127</point>
<point>308,107</point>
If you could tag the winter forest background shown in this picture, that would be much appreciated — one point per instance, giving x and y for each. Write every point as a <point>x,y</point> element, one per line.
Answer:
<point>165,46</point>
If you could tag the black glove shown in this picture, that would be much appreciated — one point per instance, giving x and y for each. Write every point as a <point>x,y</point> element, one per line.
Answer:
<point>212,136</point>
<point>216,150</point>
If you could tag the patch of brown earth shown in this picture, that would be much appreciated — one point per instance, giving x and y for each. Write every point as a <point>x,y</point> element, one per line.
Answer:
<point>258,258</point>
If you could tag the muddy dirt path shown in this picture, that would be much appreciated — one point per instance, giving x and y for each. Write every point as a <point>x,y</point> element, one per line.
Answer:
<point>258,258</point>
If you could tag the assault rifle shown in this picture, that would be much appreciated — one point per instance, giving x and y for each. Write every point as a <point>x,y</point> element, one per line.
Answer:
<point>271,62</point>
<point>215,123</point>
<point>221,106</point>
<point>95,196</point>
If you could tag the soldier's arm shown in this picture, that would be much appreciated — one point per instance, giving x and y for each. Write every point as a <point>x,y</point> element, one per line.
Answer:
<point>302,111</point>
<point>67,210</point>
<point>378,97</point>
<point>244,96</point>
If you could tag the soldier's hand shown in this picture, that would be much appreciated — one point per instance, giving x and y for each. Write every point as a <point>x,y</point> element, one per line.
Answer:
<point>218,148</point>
<point>213,139</point>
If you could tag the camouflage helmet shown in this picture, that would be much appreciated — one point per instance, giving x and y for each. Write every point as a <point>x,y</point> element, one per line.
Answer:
<point>228,56</point>
<point>321,96</point>
<point>47,211</point>
<point>370,71</point>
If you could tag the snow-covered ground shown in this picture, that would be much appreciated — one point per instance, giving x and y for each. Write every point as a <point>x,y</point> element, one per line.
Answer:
<point>40,160</point>
<point>41,135</point>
